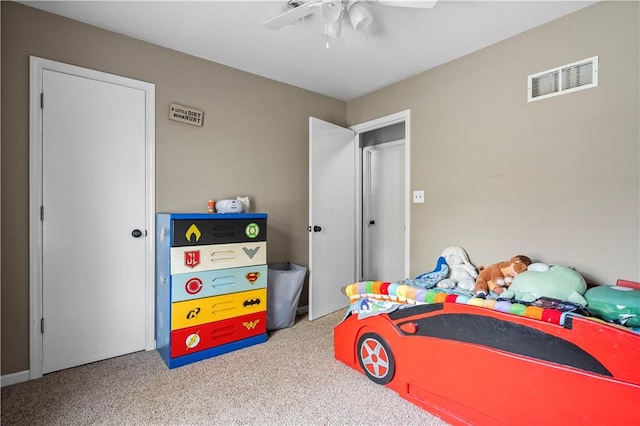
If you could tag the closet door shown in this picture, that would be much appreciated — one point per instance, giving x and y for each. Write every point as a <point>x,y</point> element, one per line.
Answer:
<point>93,260</point>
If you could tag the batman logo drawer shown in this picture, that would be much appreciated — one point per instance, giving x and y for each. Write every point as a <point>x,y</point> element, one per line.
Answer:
<point>214,283</point>
<point>217,256</point>
<point>191,232</point>
<point>205,336</point>
<point>217,308</point>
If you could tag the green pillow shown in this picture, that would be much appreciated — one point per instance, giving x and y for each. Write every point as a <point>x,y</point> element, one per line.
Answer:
<point>559,282</point>
<point>614,303</point>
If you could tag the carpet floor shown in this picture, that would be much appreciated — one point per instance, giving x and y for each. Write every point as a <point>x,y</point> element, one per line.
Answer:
<point>292,379</point>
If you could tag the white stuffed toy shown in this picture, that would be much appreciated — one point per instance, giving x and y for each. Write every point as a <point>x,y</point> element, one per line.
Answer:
<point>462,273</point>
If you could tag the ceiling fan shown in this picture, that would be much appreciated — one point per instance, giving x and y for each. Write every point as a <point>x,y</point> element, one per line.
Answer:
<point>332,12</point>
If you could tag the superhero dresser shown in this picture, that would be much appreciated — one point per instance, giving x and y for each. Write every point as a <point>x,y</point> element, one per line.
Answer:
<point>211,284</point>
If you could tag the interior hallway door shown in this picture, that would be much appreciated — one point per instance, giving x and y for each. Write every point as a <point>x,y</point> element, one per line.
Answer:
<point>93,265</point>
<point>384,212</point>
<point>332,204</point>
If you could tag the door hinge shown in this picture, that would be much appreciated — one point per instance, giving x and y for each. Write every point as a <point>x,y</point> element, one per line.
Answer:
<point>42,325</point>
<point>42,100</point>
<point>42,213</point>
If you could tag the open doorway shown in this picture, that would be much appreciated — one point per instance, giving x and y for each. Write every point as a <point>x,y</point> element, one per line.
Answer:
<point>383,213</point>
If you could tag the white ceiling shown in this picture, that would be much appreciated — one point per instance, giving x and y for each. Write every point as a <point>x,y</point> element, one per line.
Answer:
<point>400,42</point>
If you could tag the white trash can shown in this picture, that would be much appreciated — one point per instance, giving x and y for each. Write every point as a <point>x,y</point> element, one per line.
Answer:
<point>284,286</point>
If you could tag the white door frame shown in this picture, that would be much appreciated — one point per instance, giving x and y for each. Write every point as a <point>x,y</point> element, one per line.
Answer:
<point>37,66</point>
<point>366,127</point>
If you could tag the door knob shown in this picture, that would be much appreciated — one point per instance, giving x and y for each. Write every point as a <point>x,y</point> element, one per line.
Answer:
<point>136,233</point>
<point>317,228</point>
<point>372,222</point>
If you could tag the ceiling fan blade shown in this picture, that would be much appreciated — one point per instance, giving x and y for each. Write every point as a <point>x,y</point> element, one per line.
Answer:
<point>293,15</point>
<point>417,4</point>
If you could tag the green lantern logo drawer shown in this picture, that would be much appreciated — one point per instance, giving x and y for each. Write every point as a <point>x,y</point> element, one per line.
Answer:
<point>187,232</point>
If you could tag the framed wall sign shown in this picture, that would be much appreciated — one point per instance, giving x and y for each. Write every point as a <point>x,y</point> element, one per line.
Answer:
<point>185,114</point>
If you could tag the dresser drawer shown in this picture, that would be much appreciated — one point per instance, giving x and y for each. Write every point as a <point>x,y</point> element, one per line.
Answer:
<point>217,308</point>
<point>191,232</point>
<point>217,256</point>
<point>214,283</point>
<point>205,336</point>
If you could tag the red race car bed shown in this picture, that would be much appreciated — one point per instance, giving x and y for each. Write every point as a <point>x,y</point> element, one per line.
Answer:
<point>470,364</point>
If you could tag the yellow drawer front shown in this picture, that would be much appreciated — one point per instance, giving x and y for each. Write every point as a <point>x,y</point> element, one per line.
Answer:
<point>216,308</point>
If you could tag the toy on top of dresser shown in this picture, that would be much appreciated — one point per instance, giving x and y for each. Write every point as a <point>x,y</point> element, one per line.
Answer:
<point>495,278</point>
<point>239,205</point>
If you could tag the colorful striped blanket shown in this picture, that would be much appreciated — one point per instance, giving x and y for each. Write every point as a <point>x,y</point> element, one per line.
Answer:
<point>400,294</point>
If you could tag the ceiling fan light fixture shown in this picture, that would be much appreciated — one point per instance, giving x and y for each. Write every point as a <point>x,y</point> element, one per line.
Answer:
<point>333,29</point>
<point>359,16</point>
<point>331,11</point>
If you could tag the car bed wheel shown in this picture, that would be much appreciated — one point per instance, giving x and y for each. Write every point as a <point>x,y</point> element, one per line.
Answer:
<point>375,358</point>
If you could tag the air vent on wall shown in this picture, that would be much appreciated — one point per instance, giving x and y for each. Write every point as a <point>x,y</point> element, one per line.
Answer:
<point>565,79</point>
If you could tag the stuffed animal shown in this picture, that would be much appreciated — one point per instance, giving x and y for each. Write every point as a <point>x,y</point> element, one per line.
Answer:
<point>557,282</point>
<point>430,279</point>
<point>462,273</point>
<point>498,276</point>
<point>617,304</point>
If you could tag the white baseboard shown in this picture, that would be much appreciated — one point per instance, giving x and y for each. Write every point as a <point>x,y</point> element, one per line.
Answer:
<point>13,378</point>
<point>302,309</point>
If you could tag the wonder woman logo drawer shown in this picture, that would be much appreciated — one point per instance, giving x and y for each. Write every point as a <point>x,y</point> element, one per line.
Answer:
<point>214,283</point>
<point>205,336</point>
<point>217,256</point>
<point>217,308</point>
<point>191,232</point>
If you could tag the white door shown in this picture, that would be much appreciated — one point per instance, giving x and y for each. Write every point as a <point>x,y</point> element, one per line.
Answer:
<point>332,219</point>
<point>93,177</point>
<point>384,212</point>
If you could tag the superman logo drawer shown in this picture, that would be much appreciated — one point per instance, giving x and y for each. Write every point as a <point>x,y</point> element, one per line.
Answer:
<point>217,256</point>
<point>220,281</point>
<point>205,336</point>
<point>217,308</point>
<point>191,232</point>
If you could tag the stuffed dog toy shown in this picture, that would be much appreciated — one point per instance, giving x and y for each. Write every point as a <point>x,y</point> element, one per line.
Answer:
<point>498,277</point>
<point>462,273</point>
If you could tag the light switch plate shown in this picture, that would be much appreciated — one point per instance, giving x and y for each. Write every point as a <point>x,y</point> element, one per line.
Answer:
<point>418,196</point>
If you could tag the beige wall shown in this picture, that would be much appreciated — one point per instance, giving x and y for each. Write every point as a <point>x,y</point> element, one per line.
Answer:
<point>555,179</point>
<point>254,142</point>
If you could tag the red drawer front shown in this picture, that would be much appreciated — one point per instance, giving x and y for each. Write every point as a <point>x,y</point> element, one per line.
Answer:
<point>193,339</point>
